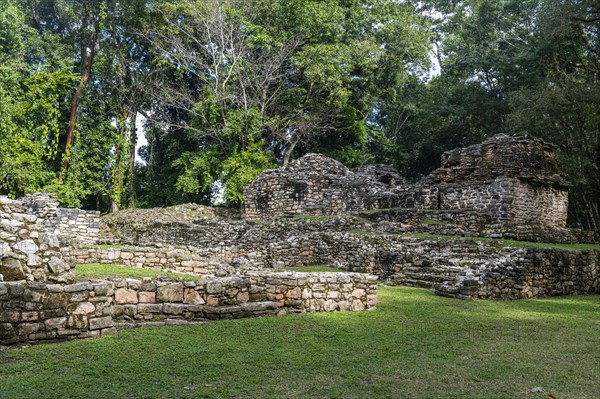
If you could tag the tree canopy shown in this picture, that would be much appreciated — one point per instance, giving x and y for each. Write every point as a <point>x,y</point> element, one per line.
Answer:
<point>224,89</point>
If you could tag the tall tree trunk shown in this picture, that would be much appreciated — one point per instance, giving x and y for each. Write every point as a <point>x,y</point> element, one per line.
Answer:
<point>88,51</point>
<point>118,177</point>
<point>132,144</point>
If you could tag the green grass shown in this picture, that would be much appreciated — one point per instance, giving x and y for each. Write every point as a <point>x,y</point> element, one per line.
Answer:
<point>313,268</point>
<point>510,243</point>
<point>100,271</point>
<point>413,345</point>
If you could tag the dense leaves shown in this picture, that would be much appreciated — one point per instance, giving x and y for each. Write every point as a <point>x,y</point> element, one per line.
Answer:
<point>223,89</point>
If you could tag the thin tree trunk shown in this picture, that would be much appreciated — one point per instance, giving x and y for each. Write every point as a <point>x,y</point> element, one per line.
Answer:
<point>88,50</point>
<point>288,152</point>
<point>133,143</point>
<point>119,170</point>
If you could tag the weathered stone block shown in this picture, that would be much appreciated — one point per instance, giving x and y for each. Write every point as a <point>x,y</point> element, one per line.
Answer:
<point>101,322</point>
<point>12,269</point>
<point>150,308</point>
<point>173,308</point>
<point>124,295</point>
<point>84,308</point>
<point>147,297</point>
<point>192,297</point>
<point>170,293</point>
<point>56,323</point>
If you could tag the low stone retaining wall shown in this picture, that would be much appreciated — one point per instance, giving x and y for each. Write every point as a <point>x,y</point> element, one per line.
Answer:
<point>518,273</point>
<point>175,259</point>
<point>31,311</point>
<point>419,261</point>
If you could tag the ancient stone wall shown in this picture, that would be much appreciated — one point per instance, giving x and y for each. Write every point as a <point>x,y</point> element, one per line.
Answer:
<point>31,312</point>
<point>28,250</point>
<point>528,273</point>
<point>76,226</point>
<point>168,259</point>
<point>512,180</point>
<point>71,226</point>
<point>317,185</point>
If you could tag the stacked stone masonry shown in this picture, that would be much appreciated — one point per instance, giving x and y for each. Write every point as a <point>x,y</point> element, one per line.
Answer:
<point>28,250</point>
<point>506,181</point>
<point>528,273</point>
<point>33,311</point>
<point>71,226</point>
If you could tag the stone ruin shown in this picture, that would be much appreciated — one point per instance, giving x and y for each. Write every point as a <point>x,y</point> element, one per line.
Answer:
<point>32,231</point>
<point>370,223</point>
<point>509,184</point>
<point>317,185</point>
<point>39,300</point>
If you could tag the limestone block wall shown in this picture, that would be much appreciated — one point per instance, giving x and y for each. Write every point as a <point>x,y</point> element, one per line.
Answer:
<point>545,205</point>
<point>528,273</point>
<point>28,250</point>
<point>76,226</point>
<point>31,312</point>
<point>71,226</point>
<point>505,200</point>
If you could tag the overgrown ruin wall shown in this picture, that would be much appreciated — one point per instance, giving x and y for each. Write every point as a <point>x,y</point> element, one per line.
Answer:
<point>513,181</point>
<point>401,259</point>
<point>32,311</point>
<point>37,301</point>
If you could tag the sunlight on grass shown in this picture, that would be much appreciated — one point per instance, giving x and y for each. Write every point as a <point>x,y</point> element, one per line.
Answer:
<point>510,243</point>
<point>413,345</point>
<point>313,269</point>
<point>101,271</point>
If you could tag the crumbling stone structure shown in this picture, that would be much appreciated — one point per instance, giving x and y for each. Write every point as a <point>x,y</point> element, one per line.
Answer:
<point>514,180</point>
<point>39,302</point>
<point>317,185</point>
<point>28,249</point>
<point>504,183</point>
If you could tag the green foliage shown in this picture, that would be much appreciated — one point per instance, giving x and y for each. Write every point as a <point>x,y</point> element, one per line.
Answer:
<point>243,167</point>
<point>30,108</point>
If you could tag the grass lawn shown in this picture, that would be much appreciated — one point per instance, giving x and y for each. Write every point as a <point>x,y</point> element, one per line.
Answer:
<point>413,345</point>
<point>89,271</point>
<point>313,269</point>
